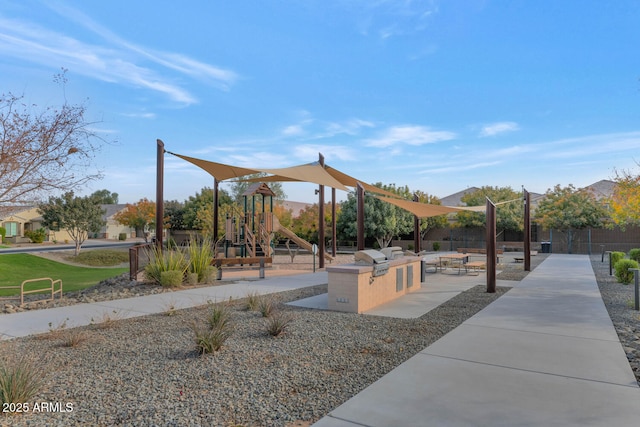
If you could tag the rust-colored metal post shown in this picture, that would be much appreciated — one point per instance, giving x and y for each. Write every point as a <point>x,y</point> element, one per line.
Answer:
<point>527,230</point>
<point>321,247</point>
<point>360,217</point>
<point>491,246</point>
<point>416,229</point>
<point>159,194</point>
<point>215,211</point>
<point>334,233</point>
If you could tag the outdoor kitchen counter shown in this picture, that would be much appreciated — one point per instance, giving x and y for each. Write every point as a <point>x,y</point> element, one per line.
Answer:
<point>354,288</point>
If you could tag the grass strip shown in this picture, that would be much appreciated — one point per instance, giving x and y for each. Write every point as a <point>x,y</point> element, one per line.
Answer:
<point>15,268</point>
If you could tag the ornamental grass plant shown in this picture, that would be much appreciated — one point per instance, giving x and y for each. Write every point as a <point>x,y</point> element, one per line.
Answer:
<point>162,261</point>
<point>21,379</point>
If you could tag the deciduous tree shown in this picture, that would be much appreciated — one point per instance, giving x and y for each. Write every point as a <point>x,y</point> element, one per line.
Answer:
<point>105,197</point>
<point>139,216</point>
<point>78,215</point>
<point>509,216</point>
<point>43,150</point>
<point>567,209</point>
<point>383,221</point>
<point>625,200</point>
<point>430,223</point>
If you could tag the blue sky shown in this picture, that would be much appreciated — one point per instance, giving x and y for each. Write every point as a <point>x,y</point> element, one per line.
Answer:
<point>437,95</point>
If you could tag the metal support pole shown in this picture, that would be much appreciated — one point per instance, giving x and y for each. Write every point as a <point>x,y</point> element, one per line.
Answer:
<point>636,285</point>
<point>491,246</point>
<point>334,233</point>
<point>360,217</point>
<point>215,211</point>
<point>527,230</point>
<point>610,266</point>
<point>602,258</point>
<point>159,193</point>
<point>416,229</point>
<point>321,245</point>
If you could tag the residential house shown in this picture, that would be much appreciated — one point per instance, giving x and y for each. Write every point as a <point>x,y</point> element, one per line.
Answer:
<point>19,219</point>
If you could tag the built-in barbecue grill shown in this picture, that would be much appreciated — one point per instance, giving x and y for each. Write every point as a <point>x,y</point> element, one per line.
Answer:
<point>374,258</point>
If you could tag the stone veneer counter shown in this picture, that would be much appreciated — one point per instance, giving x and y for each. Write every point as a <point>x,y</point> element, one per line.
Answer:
<point>354,289</point>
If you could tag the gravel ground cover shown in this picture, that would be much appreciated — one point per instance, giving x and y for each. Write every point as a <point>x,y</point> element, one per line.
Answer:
<point>619,300</point>
<point>147,371</point>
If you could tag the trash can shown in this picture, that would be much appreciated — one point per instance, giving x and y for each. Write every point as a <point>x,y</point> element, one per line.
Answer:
<point>546,247</point>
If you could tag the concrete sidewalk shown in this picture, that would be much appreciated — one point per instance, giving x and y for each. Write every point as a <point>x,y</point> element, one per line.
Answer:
<point>39,321</point>
<point>544,354</point>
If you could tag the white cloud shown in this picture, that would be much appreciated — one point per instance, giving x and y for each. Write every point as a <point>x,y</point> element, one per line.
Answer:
<point>116,61</point>
<point>293,130</point>
<point>494,129</point>
<point>410,135</point>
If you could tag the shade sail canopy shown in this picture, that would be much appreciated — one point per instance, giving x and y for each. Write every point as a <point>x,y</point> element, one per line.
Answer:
<point>219,171</point>
<point>421,210</point>
<point>312,172</point>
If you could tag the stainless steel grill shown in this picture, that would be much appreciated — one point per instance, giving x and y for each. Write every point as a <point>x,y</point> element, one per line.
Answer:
<point>374,258</point>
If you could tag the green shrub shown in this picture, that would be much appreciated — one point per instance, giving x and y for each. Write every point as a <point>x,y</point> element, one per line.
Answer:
<point>161,261</point>
<point>615,257</point>
<point>436,246</point>
<point>634,254</point>
<point>3,232</point>
<point>622,270</point>
<point>200,256</point>
<point>122,236</point>
<point>21,379</point>
<point>36,236</point>
<point>171,278</point>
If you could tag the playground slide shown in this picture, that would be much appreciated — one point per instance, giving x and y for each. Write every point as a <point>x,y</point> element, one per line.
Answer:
<point>277,227</point>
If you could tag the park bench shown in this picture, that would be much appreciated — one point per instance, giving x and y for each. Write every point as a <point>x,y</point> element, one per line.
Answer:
<point>43,284</point>
<point>241,261</point>
<point>477,251</point>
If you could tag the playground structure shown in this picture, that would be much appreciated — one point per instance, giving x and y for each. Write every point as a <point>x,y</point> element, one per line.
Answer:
<point>251,234</point>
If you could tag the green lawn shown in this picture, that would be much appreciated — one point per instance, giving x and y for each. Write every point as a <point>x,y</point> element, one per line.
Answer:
<point>14,268</point>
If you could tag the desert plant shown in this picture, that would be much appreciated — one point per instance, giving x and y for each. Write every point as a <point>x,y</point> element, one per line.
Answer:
<point>21,379</point>
<point>107,320</point>
<point>74,337</point>
<point>615,257</point>
<point>192,279</point>
<point>622,270</point>
<point>161,261</point>
<point>265,305</point>
<point>219,316</point>
<point>252,301</point>
<point>200,255</point>
<point>209,340</point>
<point>634,254</point>
<point>171,278</point>
<point>277,322</point>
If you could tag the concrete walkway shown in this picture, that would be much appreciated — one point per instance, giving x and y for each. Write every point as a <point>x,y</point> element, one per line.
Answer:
<point>544,354</point>
<point>39,321</point>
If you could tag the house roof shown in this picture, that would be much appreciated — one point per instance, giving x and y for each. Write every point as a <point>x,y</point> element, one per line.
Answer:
<point>7,211</point>
<point>111,210</point>
<point>602,189</point>
<point>455,199</point>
